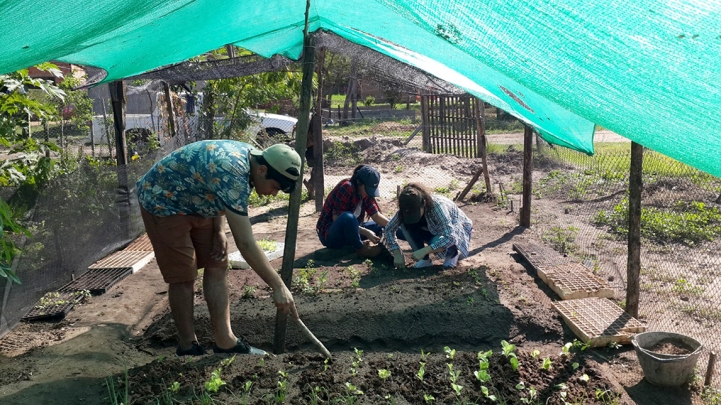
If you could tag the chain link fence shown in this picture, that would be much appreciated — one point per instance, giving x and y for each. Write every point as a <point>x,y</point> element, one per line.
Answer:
<point>580,208</point>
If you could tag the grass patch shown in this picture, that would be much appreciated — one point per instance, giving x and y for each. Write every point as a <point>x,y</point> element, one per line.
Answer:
<point>688,223</point>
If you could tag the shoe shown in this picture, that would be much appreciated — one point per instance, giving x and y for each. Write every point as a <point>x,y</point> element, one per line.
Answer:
<point>240,348</point>
<point>423,263</point>
<point>451,262</point>
<point>195,350</point>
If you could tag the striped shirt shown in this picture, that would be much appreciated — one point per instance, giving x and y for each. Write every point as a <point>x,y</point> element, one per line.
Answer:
<point>444,219</point>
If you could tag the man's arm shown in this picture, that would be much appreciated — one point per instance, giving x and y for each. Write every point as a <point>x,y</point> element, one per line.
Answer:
<point>253,254</point>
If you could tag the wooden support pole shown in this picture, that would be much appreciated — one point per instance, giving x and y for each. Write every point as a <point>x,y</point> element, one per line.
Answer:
<point>635,186</point>
<point>318,165</point>
<point>171,111</point>
<point>709,369</point>
<point>425,122</point>
<point>117,97</point>
<point>527,176</point>
<point>301,138</point>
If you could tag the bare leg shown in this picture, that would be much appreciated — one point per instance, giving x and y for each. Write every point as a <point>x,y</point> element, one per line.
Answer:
<point>180,298</point>
<point>215,288</point>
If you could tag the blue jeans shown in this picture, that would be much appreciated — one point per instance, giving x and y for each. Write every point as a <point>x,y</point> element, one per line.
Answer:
<point>344,231</point>
<point>418,238</point>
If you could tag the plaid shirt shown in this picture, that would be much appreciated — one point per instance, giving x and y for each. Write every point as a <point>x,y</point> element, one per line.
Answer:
<point>444,219</point>
<point>343,198</point>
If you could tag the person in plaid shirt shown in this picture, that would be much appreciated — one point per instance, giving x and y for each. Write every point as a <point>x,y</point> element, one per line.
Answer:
<point>341,220</point>
<point>428,218</point>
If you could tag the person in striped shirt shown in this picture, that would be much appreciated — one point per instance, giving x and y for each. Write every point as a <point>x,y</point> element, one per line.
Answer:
<point>431,223</point>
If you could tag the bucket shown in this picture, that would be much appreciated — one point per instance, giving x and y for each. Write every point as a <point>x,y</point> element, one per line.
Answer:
<point>667,370</point>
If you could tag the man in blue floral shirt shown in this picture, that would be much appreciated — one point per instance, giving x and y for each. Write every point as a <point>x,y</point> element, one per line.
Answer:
<point>182,199</point>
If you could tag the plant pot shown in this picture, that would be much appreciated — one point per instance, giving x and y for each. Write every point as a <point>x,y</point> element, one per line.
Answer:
<point>666,370</point>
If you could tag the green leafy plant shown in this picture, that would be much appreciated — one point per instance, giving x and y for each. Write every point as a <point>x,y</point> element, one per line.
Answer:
<point>535,353</point>
<point>268,245</point>
<point>428,398</point>
<point>421,371</point>
<point>546,365</point>
<point>215,382</point>
<point>384,374</point>
<point>508,352</point>
<point>281,390</point>
<point>450,353</point>
<point>248,291</point>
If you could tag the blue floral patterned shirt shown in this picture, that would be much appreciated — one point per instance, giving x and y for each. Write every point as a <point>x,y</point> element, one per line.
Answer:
<point>203,178</point>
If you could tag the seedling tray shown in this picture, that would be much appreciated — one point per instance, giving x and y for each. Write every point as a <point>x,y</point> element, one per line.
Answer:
<point>237,261</point>
<point>135,260</point>
<point>567,279</point>
<point>141,244</point>
<point>97,281</point>
<point>53,305</point>
<point>598,321</point>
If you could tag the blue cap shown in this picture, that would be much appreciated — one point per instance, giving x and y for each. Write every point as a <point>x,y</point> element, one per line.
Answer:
<point>369,177</point>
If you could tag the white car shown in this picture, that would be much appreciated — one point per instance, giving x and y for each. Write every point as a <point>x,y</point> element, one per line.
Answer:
<point>273,124</point>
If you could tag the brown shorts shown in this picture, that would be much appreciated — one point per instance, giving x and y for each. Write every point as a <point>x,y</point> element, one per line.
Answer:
<point>182,245</point>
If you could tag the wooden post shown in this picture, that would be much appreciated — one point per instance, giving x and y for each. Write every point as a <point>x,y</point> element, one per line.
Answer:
<point>709,369</point>
<point>426,124</point>
<point>635,186</point>
<point>527,176</point>
<point>482,145</point>
<point>117,97</point>
<point>301,137</point>
<point>318,166</point>
<point>47,137</point>
<point>169,105</point>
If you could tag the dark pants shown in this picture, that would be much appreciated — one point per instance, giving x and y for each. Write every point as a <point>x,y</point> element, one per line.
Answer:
<point>419,238</point>
<point>344,231</point>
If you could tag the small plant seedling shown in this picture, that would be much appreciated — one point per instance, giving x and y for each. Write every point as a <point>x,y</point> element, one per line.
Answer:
<point>487,394</point>
<point>421,371</point>
<point>248,291</point>
<point>535,353</point>
<point>484,355</point>
<point>384,374</point>
<point>508,352</point>
<point>546,364</point>
<point>325,365</point>
<point>566,349</point>
<point>358,354</point>
<point>227,362</point>
<point>450,353</point>
<point>453,375</point>
<point>174,387</point>
<point>457,389</point>
<point>584,378</point>
<point>424,355</point>
<point>428,398</point>
<point>215,382</point>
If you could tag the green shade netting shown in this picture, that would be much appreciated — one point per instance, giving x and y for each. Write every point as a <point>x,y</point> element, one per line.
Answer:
<point>648,70</point>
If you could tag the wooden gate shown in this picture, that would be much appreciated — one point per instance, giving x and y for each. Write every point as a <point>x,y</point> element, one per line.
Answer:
<point>450,125</point>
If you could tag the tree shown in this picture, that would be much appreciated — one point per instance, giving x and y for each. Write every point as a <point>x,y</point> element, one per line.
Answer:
<point>32,168</point>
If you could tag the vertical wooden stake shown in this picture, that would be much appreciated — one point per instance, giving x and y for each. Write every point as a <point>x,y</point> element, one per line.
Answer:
<point>425,121</point>
<point>709,369</point>
<point>527,176</point>
<point>318,164</point>
<point>635,186</point>
<point>117,97</point>
<point>169,106</point>
<point>301,138</point>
